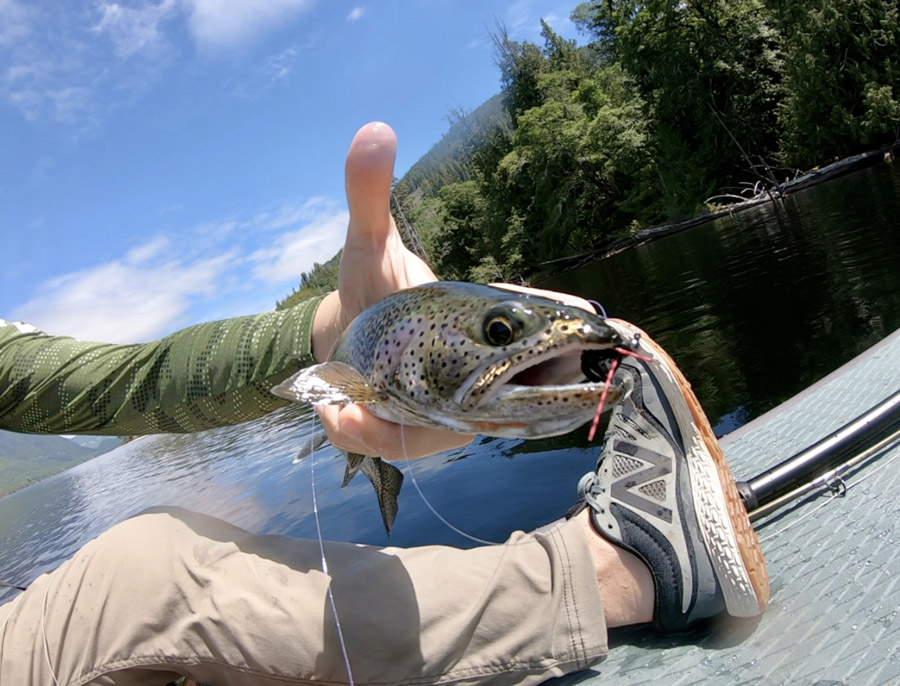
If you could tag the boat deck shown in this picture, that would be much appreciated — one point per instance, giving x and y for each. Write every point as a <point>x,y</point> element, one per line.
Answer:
<point>834,562</point>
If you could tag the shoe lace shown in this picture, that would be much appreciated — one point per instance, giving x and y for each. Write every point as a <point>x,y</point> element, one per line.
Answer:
<point>590,490</point>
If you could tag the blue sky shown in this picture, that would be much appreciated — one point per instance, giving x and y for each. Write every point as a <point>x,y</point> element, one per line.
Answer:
<point>167,162</point>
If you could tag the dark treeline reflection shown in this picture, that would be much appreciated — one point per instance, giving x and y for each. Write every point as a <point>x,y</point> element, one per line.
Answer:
<point>756,307</point>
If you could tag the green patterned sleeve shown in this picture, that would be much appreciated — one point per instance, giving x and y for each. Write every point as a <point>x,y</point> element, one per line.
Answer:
<point>201,377</point>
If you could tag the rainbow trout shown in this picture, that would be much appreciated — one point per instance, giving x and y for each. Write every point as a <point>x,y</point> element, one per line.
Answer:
<point>460,356</point>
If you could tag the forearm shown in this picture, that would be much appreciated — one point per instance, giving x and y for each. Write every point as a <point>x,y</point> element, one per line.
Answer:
<point>198,378</point>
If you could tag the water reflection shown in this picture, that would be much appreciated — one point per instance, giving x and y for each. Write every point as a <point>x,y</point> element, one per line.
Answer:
<point>754,308</point>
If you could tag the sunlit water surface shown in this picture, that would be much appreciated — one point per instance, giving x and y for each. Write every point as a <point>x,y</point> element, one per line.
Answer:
<point>753,308</point>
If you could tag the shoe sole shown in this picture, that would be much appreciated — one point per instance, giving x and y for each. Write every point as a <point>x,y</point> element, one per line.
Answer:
<point>724,525</point>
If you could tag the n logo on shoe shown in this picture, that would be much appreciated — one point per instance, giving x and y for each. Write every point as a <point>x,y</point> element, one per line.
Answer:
<point>639,482</point>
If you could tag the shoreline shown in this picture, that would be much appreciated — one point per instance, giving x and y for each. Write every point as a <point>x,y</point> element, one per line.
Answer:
<point>831,171</point>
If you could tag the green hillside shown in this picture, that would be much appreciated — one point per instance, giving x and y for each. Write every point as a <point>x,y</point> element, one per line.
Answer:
<point>25,459</point>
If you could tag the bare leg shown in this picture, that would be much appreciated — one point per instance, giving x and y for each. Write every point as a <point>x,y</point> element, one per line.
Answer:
<point>625,581</point>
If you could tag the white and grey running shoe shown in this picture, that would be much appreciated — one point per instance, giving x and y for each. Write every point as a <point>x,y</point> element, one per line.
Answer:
<point>663,490</point>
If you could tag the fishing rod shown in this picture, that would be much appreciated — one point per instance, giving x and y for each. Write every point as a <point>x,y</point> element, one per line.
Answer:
<point>823,462</point>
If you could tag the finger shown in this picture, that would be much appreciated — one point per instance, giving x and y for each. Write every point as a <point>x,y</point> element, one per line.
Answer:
<point>567,298</point>
<point>374,262</point>
<point>368,175</point>
<point>354,429</point>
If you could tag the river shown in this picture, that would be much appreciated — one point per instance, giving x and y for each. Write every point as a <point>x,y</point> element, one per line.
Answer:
<point>754,308</point>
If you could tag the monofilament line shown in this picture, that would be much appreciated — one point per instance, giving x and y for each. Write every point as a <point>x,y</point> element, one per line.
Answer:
<point>412,475</point>
<point>334,612</point>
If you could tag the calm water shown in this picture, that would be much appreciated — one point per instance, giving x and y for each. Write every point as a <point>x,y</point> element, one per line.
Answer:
<point>754,308</point>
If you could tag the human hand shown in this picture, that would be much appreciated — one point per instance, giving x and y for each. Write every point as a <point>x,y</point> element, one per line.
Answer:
<point>567,298</point>
<point>374,264</point>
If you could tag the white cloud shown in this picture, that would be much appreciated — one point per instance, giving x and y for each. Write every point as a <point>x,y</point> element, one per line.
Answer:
<point>519,13</point>
<point>278,67</point>
<point>71,104</point>
<point>134,29</point>
<point>172,281</point>
<point>13,21</point>
<point>147,251</point>
<point>77,63</point>
<point>275,69</point>
<point>227,23</point>
<point>356,14</point>
<point>294,252</point>
<point>134,299</point>
<point>311,211</point>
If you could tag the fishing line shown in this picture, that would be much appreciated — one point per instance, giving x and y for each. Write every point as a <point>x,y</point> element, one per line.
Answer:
<point>334,612</point>
<point>600,309</point>
<point>476,539</point>
<point>425,500</point>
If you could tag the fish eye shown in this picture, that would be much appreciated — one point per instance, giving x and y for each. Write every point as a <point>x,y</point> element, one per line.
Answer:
<point>499,330</point>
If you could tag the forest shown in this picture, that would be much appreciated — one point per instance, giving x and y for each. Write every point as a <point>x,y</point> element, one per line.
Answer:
<point>667,108</point>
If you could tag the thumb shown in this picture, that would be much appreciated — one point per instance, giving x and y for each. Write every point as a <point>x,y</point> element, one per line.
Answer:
<point>369,173</point>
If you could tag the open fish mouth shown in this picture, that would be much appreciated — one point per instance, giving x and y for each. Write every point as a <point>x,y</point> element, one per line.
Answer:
<point>553,376</point>
<point>564,369</point>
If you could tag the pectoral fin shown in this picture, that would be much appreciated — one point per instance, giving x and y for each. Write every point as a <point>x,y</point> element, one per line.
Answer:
<point>330,383</point>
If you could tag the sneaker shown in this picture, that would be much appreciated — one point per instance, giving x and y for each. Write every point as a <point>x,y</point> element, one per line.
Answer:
<point>663,491</point>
